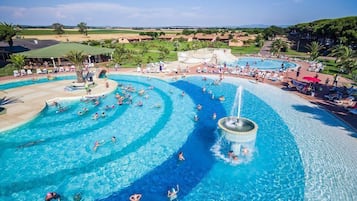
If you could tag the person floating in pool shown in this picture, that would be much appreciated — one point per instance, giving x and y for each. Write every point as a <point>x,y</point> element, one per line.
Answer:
<point>114,139</point>
<point>214,116</point>
<point>95,116</point>
<point>245,151</point>
<point>135,197</point>
<point>221,98</point>
<point>172,194</point>
<point>199,107</point>
<point>195,118</point>
<point>77,197</point>
<point>140,104</point>
<point>180,156</point>
<point>232,155</point>
<point>96,145</point>
<point>52,196</point>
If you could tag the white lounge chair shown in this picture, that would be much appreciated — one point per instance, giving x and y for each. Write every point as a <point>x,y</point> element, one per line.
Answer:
<point>16,73</point>
<point>23,72</point>
<point>29,72</point>
<point>39,71</point>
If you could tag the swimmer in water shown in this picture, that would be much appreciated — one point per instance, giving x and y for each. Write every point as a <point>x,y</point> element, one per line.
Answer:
<point>96,145</point>
<point>52,196</point>
<point>114,139</point>
<point>214,116</point>
<point>195,118</point>
<point>172,194</point>
<point>180,156</point>
<point>135,197</point>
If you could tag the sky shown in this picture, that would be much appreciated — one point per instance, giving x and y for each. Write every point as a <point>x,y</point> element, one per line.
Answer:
<point>158,13</point>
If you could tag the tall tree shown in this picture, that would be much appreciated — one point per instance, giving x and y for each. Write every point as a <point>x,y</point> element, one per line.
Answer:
<point>58,28</point>
<point>82,28</point>
<point>7,32</point>
<point>121,54</point>
<point>77,58</point>
<point>259,40</point>
<point>176,45</point>
<point>314,48</point>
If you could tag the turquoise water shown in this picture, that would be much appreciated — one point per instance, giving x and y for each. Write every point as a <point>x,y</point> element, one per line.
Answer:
<point>263,64</point>
<point>10,85</point>
<point>54,152</point>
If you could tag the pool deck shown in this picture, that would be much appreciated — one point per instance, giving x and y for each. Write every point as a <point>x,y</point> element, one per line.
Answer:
<point>36,96</point>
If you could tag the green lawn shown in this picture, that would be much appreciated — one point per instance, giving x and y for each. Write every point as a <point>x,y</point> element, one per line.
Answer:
<point>251,49</point>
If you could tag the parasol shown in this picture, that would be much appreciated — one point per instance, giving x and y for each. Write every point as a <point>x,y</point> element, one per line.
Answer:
<point>311,79</point>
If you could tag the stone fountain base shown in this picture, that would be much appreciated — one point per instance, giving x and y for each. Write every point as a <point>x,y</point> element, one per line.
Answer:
<point>240,130</point>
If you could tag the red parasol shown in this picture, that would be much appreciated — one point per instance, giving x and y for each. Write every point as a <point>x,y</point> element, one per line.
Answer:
<point>311,79</point>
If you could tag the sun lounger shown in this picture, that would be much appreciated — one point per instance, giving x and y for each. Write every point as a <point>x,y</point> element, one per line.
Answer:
<point>39,71</point>
<point>198,70</point>
<point>23,72</point>
<point>16,73</point>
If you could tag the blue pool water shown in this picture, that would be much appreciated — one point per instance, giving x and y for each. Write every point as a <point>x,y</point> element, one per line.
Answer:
<point>54,152</point>
<point>10,85</point>
<point>263,64</point>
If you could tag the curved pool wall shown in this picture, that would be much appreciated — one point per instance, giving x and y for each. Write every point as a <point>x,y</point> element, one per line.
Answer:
<point>263,63</point>
<point>313,182</point>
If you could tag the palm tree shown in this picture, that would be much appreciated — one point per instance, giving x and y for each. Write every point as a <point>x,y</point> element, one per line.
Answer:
<point>77,59</point>
<point>7,31</point>
<point>17,61</point>
<point>8,100</point>
<point>83,28</point>
<point>314,48</point>
<point>339,51</point>
<point>278,45</point>
<point>345,58</point>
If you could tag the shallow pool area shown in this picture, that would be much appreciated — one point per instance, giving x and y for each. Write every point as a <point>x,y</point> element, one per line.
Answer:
<point>54,152</point>
<point>263,63</point>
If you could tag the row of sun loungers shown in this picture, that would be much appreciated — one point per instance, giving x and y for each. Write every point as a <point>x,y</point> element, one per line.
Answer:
<point>24,72</point>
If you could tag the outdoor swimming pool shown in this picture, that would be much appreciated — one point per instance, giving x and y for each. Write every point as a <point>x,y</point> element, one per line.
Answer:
<point>14,84</point>
<point>54,151</point>
<point>263,64</point>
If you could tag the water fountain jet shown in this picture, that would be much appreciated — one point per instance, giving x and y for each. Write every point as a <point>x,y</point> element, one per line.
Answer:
<point>240,132</point>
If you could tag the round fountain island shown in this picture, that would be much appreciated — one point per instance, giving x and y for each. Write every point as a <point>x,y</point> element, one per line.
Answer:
<point>240,132</point>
